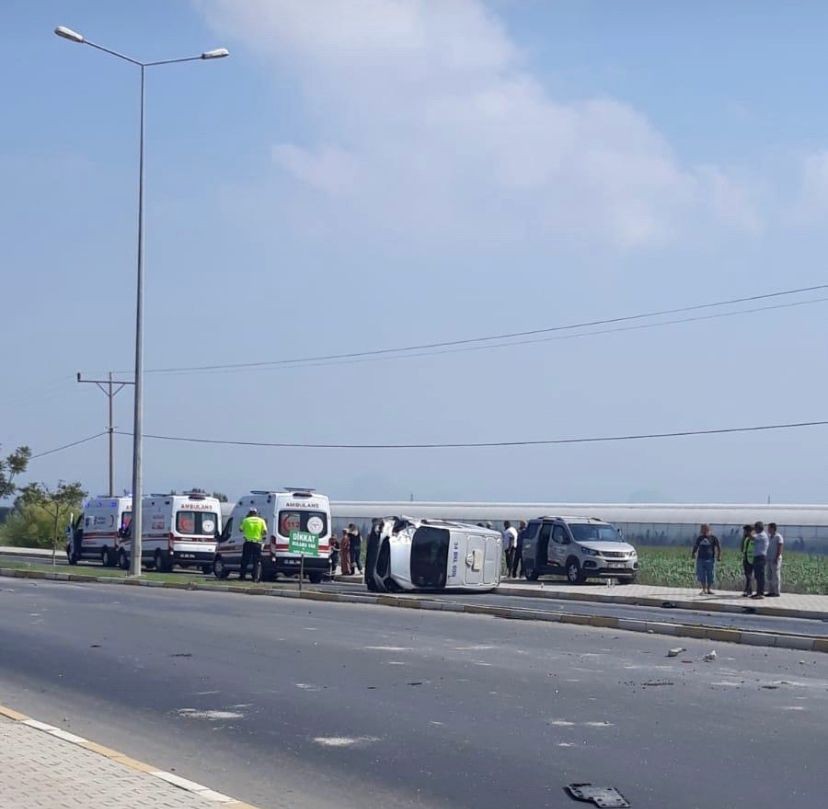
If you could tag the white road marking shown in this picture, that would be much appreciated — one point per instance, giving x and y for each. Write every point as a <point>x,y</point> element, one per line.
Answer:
<point>344,741</point>
<point>210,716</point>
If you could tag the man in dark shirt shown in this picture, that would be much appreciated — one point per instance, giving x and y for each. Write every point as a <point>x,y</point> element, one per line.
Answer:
<point>707,551</point>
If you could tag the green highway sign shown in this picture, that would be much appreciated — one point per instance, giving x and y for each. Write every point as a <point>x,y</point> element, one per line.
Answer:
<point>303,542</point>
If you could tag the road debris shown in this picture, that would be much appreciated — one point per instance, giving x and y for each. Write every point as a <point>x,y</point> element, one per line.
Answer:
<point>600,796</point>
<point>675,652</point>
<point>710,657</point>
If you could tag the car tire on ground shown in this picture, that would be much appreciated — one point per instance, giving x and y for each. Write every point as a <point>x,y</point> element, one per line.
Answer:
<point>530,573</point>
<point>162,564</point>
<point>315,577</point>
<point>219,569</point>
<point>574,573</point>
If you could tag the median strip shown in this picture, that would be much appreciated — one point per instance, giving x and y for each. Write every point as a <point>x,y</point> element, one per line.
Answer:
<point>749,637</point>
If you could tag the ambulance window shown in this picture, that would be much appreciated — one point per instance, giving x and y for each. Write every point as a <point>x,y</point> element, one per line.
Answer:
<point>126,519</point>
<point>196,522</point>
<point>313,522</point>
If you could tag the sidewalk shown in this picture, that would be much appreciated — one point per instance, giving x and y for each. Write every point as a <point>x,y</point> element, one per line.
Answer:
<point>42,767</point>
<point>788,605</point>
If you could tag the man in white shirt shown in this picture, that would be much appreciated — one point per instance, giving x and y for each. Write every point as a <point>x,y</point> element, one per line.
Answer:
<point>509,544</point>
<point>760,557</point>
<point>775,543</point>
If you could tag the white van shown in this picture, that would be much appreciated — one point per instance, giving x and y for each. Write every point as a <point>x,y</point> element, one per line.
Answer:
<point>296,519</point>
<point>433,555</point>
<point>177,529</point>
<point>97,533</point>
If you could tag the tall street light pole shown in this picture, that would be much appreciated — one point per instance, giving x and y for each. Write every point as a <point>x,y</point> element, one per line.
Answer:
<point>138,426</point>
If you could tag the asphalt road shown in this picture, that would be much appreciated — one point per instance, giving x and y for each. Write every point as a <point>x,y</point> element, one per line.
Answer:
<point>301,704</point>
<point>812,627</point>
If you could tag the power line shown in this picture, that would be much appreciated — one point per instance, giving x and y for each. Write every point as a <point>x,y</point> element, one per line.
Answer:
<point>67,446</point>
<point>474,341</point>
<point>485,444</point>
<point>550,338</point>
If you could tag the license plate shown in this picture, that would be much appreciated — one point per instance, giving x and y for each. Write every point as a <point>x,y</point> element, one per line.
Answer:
<point>616,564</point>
<point>187,555</point>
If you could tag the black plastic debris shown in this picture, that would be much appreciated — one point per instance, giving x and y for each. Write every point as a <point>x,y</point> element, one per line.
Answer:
<point>600,796</point>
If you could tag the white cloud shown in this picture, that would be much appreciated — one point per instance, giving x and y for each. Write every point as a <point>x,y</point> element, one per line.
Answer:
<point>429,120</point>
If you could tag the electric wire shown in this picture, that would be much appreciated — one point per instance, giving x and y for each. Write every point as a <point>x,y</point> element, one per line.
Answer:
<point>488,444</point>
<point>473,341</point>
<point>67,446</point>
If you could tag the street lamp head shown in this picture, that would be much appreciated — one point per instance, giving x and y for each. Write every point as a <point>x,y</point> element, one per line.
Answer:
<point>217,53</point>
<point>68,33</point>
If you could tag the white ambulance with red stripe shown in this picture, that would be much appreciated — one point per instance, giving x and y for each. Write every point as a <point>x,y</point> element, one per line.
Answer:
<point>97,533</point>
<point>296,518</point>
<point>177,529</point>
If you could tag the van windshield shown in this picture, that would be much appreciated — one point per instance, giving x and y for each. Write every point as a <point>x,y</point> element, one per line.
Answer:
<point>314,522</point>
<point>592,532</point>
<point>196,523</point>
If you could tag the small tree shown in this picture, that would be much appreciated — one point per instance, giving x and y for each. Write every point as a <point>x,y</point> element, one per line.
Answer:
<point>220,496</point>
<point>58,503</point>
<point>10,467</point>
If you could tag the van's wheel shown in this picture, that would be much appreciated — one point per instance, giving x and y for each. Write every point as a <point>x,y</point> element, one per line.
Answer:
<point>219,569</point>
<point>206,569</point>
<point>574,574</point>
<point>123,561</point>
<point>530,573</point>
<point>315,577</point>
<point>162,562</point>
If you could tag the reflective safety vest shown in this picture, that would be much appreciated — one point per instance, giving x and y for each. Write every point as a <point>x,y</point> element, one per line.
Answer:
<point>254,529</point>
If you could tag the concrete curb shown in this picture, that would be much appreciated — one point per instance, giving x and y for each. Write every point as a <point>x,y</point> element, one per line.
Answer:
<point>658,601</point>
<point>126,761</point>
<point>780,640</point>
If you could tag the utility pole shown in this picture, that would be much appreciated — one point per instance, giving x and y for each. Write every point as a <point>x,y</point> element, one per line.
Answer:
<point>111,389</point>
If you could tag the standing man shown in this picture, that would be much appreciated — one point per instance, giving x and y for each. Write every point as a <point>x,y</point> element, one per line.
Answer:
<point>760,557</point>
<point>707,551</point>
<point>254,530</point>
<point>747,559</point>
<point>509,545</point>
<point>345,553</point>
<point>775,543</point>
<point>356,548</point>
<point>517,556</point>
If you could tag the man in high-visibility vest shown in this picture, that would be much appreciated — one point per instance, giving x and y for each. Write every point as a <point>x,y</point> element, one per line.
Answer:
<point>254,530</point>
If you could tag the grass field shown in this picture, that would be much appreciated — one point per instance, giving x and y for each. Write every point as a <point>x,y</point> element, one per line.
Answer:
<point>673,567</point>
<point>661,566</point>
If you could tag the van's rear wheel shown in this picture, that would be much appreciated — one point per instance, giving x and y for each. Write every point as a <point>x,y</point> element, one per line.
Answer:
<point>162,562</point>
<point>574,574</point>
<point>530,573</point>
<point>220,571</point>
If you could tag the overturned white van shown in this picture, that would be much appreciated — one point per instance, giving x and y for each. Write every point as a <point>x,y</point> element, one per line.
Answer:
<point>414,554</point>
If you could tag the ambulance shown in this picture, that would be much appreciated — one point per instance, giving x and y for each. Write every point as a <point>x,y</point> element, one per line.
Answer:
<point>97,533</point>
<point>298,534</point>
<point>177,529</point>
<point>415,554</point>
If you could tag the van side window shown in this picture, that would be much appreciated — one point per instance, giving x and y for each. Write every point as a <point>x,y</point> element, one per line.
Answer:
<point>228,529</point>
<point>559,535</point>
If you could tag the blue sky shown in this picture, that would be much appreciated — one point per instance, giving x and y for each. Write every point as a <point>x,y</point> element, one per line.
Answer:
<point>368,174</point>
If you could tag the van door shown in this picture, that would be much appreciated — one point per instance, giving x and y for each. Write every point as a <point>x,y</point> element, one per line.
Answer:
<point>475,559</point>
<point>558,546</point>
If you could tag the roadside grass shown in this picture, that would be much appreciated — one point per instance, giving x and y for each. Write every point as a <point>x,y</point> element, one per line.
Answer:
<point>98,571</point>
<point>673,567</point>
